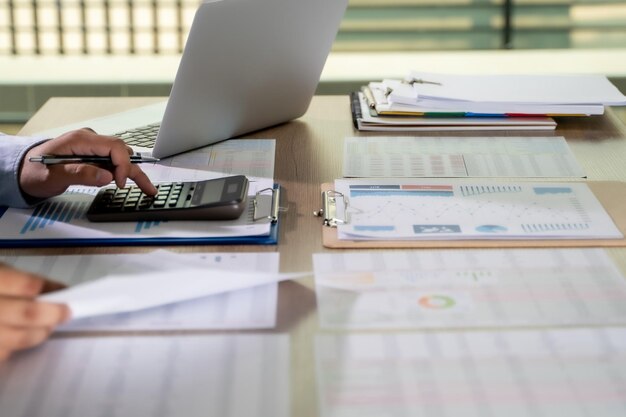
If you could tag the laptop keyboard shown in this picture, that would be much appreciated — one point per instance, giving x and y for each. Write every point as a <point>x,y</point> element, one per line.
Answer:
<point>143,136</point>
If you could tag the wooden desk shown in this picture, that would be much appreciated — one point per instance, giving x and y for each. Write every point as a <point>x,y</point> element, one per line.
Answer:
<point>308,153</point>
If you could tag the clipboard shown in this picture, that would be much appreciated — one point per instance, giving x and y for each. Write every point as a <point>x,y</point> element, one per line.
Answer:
<point>266,205</point>
<point>611,194</point>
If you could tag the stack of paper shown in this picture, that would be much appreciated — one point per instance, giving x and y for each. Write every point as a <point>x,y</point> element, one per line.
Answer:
<point>426,101</point>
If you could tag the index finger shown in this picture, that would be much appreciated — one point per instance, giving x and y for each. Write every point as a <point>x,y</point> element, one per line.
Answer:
<point>142,180</point>
<point>120,158</point>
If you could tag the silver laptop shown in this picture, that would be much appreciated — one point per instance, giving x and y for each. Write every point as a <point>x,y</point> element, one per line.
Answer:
<point>247,65</point>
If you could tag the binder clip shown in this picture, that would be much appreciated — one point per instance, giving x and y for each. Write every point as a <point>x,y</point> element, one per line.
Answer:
<point>334,208</point>
<point>266,205</point>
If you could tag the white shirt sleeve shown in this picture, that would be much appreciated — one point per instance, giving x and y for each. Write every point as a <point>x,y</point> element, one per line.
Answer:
<point>12,151</point>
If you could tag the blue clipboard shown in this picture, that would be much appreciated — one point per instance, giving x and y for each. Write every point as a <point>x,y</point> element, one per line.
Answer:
<point>269,239</point>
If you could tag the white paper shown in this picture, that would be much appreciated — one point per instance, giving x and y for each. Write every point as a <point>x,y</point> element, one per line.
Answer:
<point>419,209</point>
<point>459,157</point>
<point>247,308</point>
<point>253,158</point>
<point>468,288</point>
<point>524,373</point>
<point>123,293</point>
<point>509,88</point>
<point>150,376</point>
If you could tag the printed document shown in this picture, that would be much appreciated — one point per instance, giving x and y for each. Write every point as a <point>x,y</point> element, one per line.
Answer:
<point>250,157</point>
<point>252,307</point>
<point>459,157</point>
<point>525,373</point>
<point>419,209</point>
<point>150,376</point>
<point>468,288</point>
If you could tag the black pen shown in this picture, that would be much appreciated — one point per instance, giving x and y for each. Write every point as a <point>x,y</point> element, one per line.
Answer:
<point>87,159</point>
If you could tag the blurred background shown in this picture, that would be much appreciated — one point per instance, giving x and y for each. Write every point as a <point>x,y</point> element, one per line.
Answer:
<point>132,47</point>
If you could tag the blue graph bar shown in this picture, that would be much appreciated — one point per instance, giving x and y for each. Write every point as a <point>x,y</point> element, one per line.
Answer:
<point>372,228</point>
<point>405,193</point>
<point>64,216</point>
<point>31,220</point>
<point>47,214</point>
<point>145,225</point>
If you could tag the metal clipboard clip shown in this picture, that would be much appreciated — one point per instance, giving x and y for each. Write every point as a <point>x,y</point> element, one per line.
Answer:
<point>266,205</point>
<point>334,208</point>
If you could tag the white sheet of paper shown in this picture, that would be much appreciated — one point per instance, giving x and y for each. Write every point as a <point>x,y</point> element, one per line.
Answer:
<point>150,376</point>
<point>459,157</point>
<point>254,307</point>
<point>510,88</point>
<point>123,293</point>
<point>250,157</point>
<point>525,373</point>
<point>419,209</point>
<point>468,288</point>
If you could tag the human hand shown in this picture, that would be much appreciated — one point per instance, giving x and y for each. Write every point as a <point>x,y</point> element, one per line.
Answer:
<point>43,181</point>
<point>24,321</point>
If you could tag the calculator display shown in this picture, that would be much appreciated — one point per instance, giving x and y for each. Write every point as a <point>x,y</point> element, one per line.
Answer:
<point>209,193</point>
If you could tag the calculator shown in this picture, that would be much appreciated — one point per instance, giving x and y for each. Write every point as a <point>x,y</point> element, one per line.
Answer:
<point>216,199</point>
